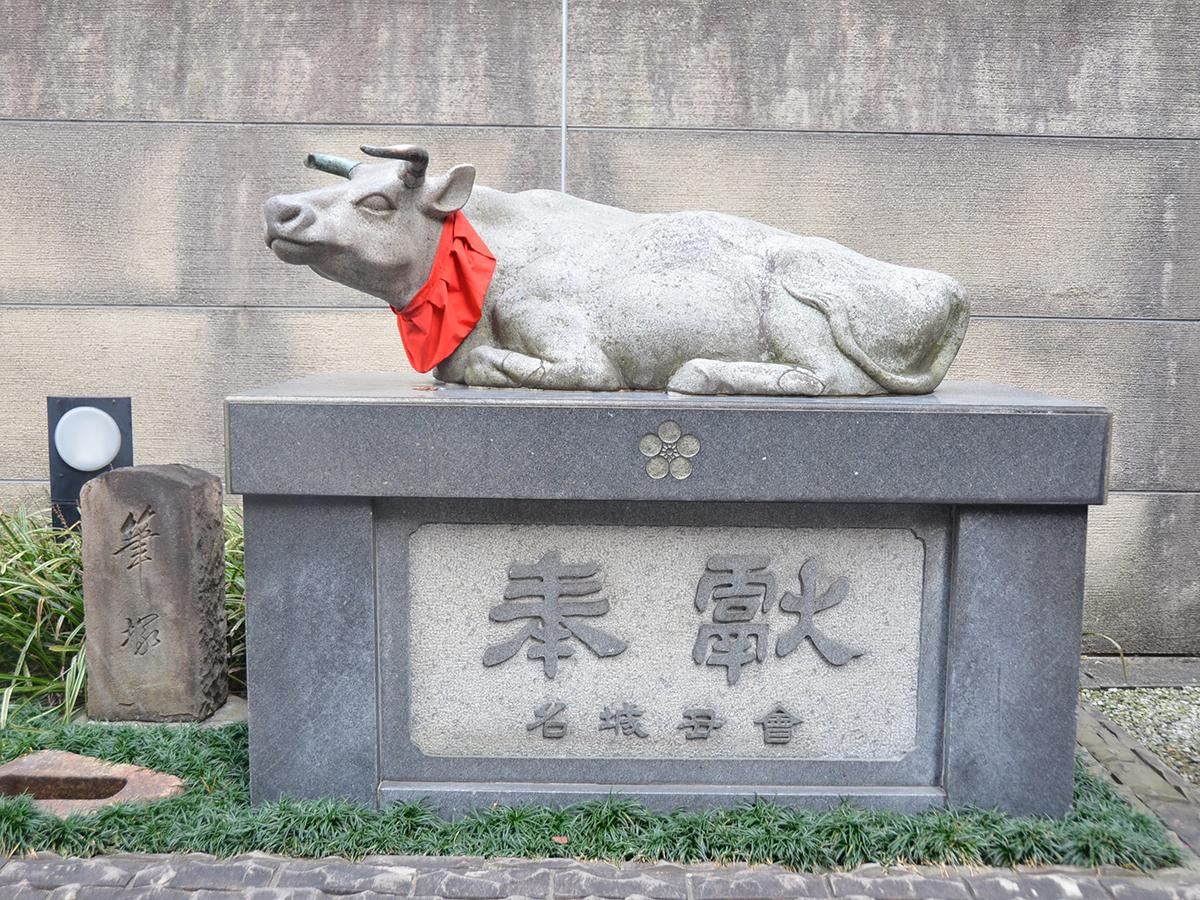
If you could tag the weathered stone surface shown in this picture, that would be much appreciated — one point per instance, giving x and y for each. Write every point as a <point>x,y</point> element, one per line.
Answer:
<point>153,552</point>
<point>1145,889</point>
<point>1142,777</point>
<point>337,876</point>
<point>592,297</point>
<point>897,884</point>
<point>48,874</point>
<point>66,783</point>
<point>734,882</point>
<point>467,878</point>
<point>193,872</point>
<point>483,882</point>
<point>647,578</point>
<point>1036,887</point>
<point>662,881</point>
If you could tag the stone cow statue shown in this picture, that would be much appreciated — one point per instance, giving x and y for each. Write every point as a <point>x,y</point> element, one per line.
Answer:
<point>590,297</point>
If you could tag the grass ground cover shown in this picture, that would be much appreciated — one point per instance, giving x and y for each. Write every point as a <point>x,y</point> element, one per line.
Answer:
<point>215,816</point>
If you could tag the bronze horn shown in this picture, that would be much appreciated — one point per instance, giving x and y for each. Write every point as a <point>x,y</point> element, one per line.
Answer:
<point>416,159</point>
<point>334,165</point>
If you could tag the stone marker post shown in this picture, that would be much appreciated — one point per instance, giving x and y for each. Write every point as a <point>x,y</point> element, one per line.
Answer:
<point>153,594</point>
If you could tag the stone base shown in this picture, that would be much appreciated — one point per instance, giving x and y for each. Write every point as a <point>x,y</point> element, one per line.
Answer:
<point>234,710</point>
<point>476,596</point>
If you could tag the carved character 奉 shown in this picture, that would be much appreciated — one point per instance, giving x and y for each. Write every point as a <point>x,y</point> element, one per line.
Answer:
<point>591,297</point>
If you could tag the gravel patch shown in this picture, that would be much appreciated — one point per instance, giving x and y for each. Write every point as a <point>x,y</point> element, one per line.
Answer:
<point>1167,720</point>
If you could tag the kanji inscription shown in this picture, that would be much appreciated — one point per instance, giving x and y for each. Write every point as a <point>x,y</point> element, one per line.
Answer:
<point>625,720</point>
<point>777,725</point>
<point>699,722</point>
<point>546,582</point>
<point>136,531</point>
<point>714,627</point>
<point>740,587</point>
<point>807,605</point>
<point>141,633</point>
<point>547,718</point>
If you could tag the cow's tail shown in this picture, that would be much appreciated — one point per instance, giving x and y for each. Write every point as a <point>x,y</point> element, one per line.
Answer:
<point>923,382</point>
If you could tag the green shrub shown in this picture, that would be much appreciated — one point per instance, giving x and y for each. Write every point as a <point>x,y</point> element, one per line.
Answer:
<point>42,660</point>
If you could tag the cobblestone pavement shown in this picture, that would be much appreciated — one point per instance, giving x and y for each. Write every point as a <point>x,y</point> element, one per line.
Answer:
<point>1143,779</point>
<point>199,877</point>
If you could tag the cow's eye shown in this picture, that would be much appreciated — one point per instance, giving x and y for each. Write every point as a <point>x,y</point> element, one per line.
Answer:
<point>376,203</point>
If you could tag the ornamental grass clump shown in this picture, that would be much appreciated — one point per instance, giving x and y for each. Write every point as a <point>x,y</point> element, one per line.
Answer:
<point>42,660</point>
<point>41,616</point>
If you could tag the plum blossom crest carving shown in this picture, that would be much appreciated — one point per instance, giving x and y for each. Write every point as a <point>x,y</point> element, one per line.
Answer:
<point>669,451</point>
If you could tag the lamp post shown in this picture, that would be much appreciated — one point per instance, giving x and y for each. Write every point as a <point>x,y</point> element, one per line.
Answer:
<point>87,436</point>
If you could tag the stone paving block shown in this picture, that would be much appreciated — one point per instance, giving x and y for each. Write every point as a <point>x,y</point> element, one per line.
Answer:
<point>93,892</point>
<point>483,882</point>
<point>265,893</point>
<point>338,876</point>
<point>661,881</point>
<point>23,891</point>
<point>1037,887</point>
<point>563,862</point>
<point>52,873</point>
<point>755,882</point>
<point>437,863</point>
<point>897,885</point>
<point>190,873</point>
<point>1152,889</point>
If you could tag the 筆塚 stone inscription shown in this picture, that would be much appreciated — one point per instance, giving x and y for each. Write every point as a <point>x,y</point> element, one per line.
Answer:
<point>136,532</point>
<point>153,594</point>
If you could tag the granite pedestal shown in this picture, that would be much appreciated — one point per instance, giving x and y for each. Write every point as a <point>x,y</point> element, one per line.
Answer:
<point>478,596</point>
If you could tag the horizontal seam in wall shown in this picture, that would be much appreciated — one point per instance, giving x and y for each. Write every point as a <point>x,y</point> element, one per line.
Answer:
<point>1132,491</point>
<point>728,129</point>
<point>554,127</point>
<point>225,123</point>
<point>194,307</point>
<point>1077,318</point>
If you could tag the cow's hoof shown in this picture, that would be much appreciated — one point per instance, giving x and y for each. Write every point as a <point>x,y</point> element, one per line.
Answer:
<point>494,367</point>
<point>714,376</point>
<point>693,378</point>
<point>797,382</point>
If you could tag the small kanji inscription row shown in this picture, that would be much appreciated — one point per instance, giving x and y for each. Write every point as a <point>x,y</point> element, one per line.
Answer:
<point>625,720</point>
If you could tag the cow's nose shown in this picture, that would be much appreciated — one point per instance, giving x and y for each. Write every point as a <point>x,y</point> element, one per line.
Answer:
<point>288,212</point>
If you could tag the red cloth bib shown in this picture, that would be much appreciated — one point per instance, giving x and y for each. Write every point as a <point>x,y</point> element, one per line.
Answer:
<point>448,306</point>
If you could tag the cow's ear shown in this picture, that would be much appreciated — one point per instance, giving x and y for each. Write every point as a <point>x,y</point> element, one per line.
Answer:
<point>450,192</point>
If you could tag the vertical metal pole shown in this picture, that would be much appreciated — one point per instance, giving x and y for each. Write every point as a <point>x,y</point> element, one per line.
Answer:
<point>562,150</point>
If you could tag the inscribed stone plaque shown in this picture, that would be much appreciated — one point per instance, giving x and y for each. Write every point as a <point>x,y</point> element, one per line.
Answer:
<point>153,594</point>
<point>612,641</point>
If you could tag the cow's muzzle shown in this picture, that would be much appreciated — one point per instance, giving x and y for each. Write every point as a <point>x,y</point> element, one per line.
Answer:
<point>287,219</point>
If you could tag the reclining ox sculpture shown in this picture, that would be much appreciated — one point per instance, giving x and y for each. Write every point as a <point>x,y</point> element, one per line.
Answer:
<point>547,290</point>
